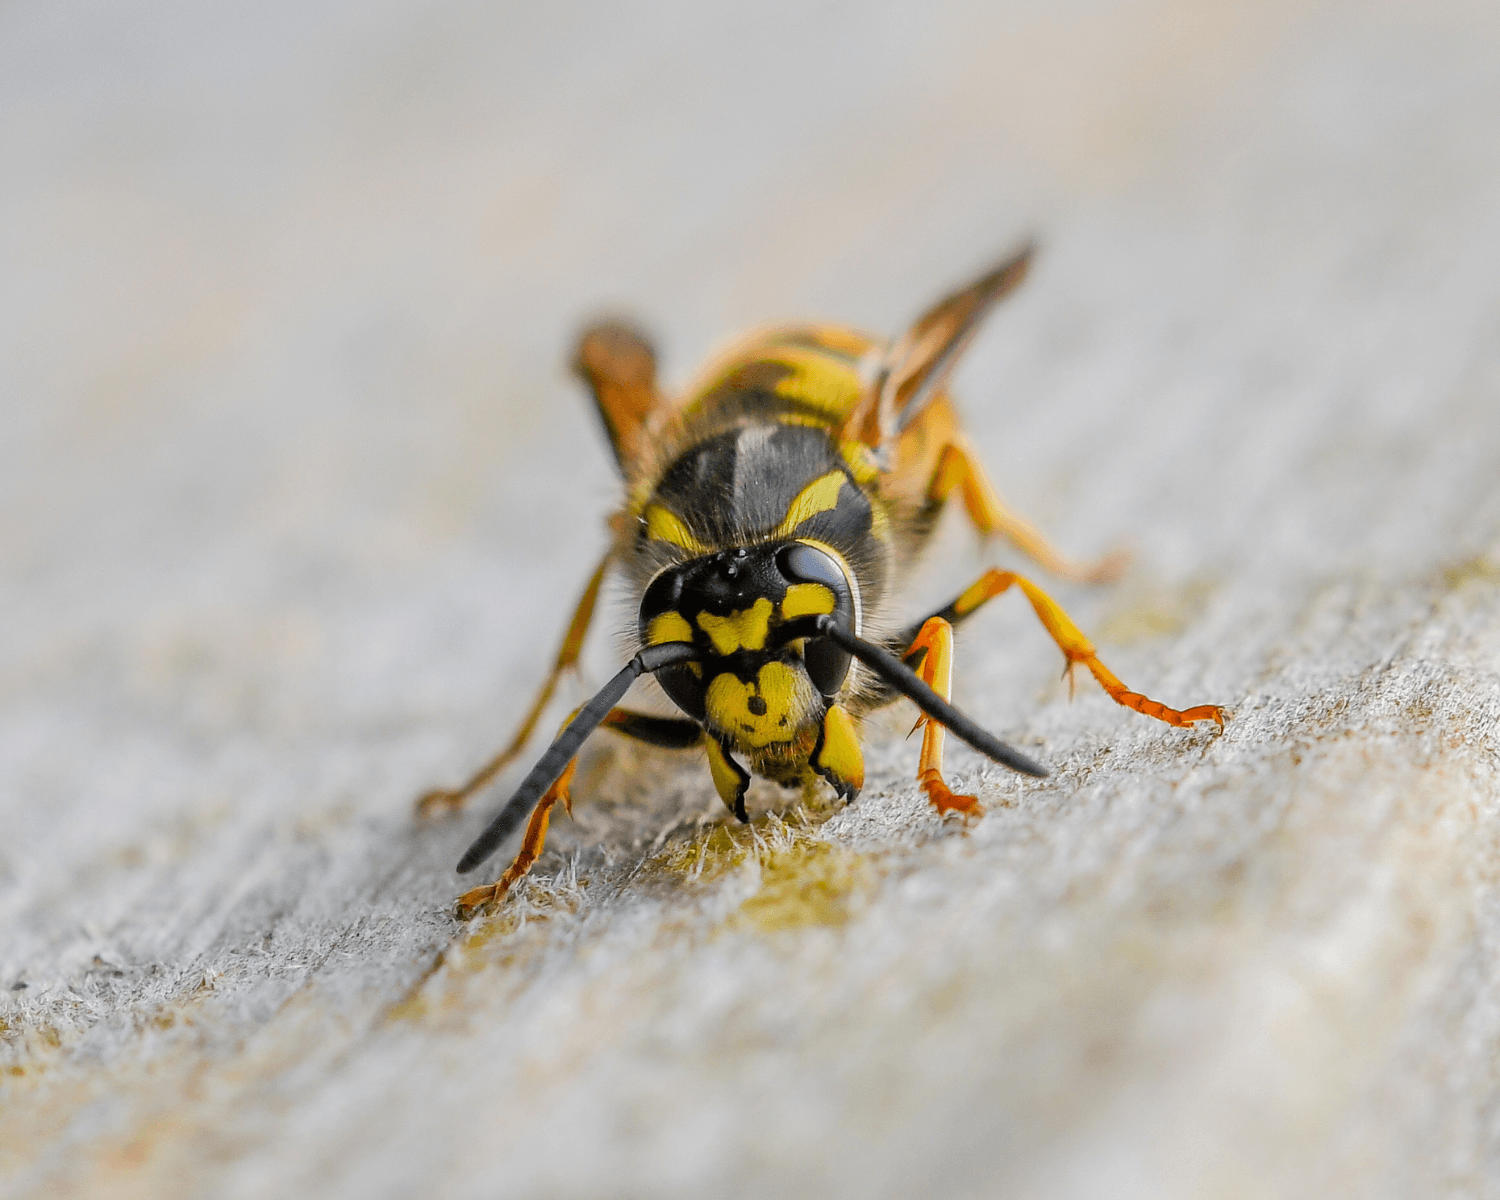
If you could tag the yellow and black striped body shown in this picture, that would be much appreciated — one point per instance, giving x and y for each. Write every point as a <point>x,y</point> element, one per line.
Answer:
<point>753,469</point>
<point>770,512</point>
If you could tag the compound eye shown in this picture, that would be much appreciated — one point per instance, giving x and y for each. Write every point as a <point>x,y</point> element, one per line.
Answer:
<point>680,683</point>
<point>663,594</point>
<point>801,563</point>
<point>827,665</point>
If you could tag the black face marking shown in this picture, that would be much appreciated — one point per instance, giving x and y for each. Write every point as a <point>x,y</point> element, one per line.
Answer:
<point>729,585</point>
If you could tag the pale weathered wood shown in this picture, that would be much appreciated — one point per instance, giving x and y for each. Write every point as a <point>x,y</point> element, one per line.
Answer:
<point>296,496</point>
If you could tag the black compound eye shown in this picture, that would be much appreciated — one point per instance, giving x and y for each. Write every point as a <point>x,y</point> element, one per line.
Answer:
<point>662,596</point>
<point>680,683</point>
<point>827,665</point>
<point>801,563</point>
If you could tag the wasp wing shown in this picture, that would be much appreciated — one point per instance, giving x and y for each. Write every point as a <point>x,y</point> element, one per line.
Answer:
<point>619,365</point>
<point>921,362</point>
<point>917,366</point>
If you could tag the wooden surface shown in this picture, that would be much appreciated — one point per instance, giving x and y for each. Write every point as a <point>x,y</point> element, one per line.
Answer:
<point>294,495</point>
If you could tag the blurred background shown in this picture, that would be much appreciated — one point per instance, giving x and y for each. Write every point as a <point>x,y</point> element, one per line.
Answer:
<point>287,294</point>
<point>295,489</point>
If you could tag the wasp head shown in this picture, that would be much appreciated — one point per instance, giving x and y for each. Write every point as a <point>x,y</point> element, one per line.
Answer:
<point>754,681</point>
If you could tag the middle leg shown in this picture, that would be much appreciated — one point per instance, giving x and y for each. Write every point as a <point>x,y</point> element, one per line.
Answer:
<point>1075,647</point>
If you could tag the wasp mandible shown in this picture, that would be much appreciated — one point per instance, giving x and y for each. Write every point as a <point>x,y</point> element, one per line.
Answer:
<point>769,511</point>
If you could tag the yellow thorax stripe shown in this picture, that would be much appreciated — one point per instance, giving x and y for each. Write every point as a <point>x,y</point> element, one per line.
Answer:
<point>860,461</point>
<point>829,385</point>
<point>746,629</point>
<point>817,497</point>
<point>663,525</point>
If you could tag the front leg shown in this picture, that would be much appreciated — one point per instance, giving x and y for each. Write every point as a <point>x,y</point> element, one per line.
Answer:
<point>959,469</point>
<point>931,656</point>
<point>671,733</point>
<point>531,848</point>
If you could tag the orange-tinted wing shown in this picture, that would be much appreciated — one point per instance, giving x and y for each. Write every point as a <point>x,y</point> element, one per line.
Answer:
<point>917,366</point>
<point>619,365</point>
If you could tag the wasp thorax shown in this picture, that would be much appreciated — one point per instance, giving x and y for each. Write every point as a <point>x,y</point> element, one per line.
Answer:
<point>731,605</point>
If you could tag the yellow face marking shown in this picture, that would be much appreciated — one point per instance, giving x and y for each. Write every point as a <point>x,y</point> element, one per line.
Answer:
<point>663,525</point>
<point>839,757</point>
<point>806,599</point>
<point>745,629</point>
<point>821,495</point>
<point>756,714</point>
<point>669,627</point>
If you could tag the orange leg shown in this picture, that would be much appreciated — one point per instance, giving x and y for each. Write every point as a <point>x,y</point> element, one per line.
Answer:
<point>1075,647</point>
<point>671,733</point>
<point>958,468</point>
<point>531,848</point>
<point>445,800</point>
<point>935,644</point>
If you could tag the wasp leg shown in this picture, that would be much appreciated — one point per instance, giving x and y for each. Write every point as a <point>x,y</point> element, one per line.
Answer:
<point>619,365</point>
<point>445,800</point>
<point>837,756</point>
<point>531,848</point>
<point>1075,647</point>
<point>958,467</point>
<point>730,779</point>
<point>932,652</point>
<point>671,733</point>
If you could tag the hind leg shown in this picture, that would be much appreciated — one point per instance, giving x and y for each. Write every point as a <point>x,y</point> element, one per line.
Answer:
<point>958,468</point>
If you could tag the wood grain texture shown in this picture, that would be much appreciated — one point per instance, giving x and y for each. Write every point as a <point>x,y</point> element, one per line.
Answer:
<point>295,493</point>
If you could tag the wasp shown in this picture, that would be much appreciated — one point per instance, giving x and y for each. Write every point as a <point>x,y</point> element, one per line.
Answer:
<point>770,512</point>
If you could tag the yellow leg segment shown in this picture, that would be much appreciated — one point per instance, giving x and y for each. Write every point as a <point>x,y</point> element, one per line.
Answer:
<point>730,779</point>
<point>837,756</point>
<point>1076,648</point>
<point>935,641</point>
<point>958,468</point>
<point>446,800</point>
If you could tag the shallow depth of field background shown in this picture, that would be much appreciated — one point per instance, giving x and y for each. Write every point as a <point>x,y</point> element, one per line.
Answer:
<point>295,495</point>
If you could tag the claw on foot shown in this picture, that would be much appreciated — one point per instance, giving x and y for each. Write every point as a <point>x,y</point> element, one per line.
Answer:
<point>946,801</point>
<point>467,905</point>
<point>1205,712</point>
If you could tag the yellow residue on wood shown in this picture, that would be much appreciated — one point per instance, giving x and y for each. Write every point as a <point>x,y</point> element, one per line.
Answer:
<point>807,883</point>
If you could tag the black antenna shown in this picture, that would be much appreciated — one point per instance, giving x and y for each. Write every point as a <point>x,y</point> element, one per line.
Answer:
<point>550,766</point>
<point>900,676</point>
